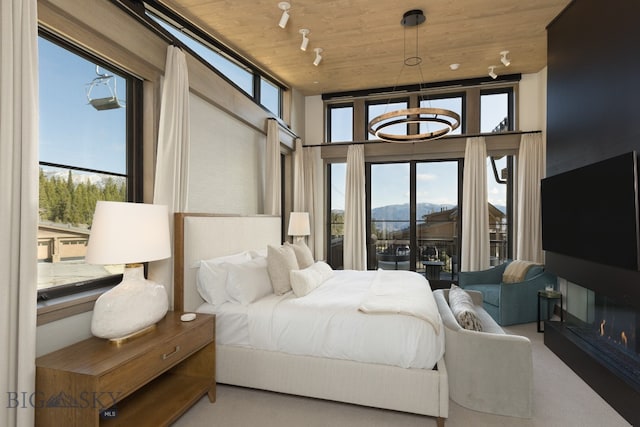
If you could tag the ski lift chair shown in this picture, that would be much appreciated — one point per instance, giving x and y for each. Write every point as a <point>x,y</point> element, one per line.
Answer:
<point>105,83</point>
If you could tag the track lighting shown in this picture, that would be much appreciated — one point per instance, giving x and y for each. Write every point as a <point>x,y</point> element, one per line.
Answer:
<point>504,58</point>
<point>492,73</point>
<point>318,59</point>
<point>285,6</point>
<point>305,39</point>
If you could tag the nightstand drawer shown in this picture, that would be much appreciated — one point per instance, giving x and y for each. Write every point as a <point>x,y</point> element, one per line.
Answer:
<point>156,360</point>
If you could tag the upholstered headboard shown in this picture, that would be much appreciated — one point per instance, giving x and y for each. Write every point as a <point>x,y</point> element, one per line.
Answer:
<point>200,236</point>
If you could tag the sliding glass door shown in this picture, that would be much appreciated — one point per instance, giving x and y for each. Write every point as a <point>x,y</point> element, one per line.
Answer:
<point>413,217</point>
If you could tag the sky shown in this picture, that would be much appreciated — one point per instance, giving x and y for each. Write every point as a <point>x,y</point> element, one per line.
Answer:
<point>72,132</point>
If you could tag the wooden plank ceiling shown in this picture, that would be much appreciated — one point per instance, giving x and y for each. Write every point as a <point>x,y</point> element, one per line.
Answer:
<point>364,42</point>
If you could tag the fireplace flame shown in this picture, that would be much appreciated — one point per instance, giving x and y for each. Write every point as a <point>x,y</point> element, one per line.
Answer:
<point>602,327</point>
<point>623,338</point>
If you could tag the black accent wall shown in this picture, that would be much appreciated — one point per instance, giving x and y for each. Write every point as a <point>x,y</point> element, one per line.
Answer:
<point>593,111</point>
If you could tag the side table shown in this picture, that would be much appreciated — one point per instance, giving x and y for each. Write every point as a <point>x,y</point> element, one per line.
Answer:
<point>549,295</point>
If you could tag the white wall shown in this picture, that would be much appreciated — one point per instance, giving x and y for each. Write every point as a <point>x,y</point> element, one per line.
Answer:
<point>532,102</point>
<point>226,162</point>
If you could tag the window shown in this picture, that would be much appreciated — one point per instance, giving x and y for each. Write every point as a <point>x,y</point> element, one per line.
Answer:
<point>336,173</point>
<point>237,71</point>
<point>390,215</point>
<point>495,110</point>
<point>498,172</point>
<point>421,228</point>
<point>450,103</point>
<point>340,123</point>
<point>270,96</point>
<point>414,217</point>
<point>437,219</point>
<point>87,114</point>
<point>376,108</point>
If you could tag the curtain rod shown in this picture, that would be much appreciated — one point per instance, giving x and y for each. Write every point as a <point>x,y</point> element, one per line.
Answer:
<point>283,126</point>
<point>376,141</point>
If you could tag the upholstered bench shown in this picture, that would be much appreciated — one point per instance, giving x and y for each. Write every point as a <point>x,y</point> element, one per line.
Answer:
<point>489,371</point>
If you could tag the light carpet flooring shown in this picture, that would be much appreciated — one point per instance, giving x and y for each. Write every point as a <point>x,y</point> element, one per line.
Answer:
<point>561,399</point>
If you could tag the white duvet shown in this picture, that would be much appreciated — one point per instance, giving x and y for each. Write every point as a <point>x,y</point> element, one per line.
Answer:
<point>327,323</point>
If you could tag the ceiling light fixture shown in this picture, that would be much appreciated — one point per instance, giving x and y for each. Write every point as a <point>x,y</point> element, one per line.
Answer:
<point>492,73</point>
<point>305,39</point>
<point>504,58</point>
<point>318,51</point>
<point>445,121</point>
<point>285,6</point>
<point>454,66</point>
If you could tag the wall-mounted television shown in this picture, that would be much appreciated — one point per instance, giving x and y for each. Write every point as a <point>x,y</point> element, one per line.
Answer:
<point>592,212</point>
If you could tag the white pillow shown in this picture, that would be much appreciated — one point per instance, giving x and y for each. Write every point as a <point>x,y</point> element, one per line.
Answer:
<point>249,281</point>
<point>306,280</point>
<point>257,253</point>
<point>280,261</point>
<point>212,277</point>
<point>303,254</point>
<point>325,269</point>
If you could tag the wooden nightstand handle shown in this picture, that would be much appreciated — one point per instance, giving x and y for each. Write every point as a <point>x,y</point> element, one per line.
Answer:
<point>168,355</point>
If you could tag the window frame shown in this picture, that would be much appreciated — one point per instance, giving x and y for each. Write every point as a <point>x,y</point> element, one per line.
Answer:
<point>509,91</point>
<point>134,160</point>
<point>338,106</point>
<point>156,11</point>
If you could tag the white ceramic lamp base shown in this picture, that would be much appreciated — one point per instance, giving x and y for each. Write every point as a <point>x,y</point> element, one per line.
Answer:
<point>133,305</point>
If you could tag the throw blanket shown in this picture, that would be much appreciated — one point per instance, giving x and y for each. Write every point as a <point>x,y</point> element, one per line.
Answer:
<point>516,271</point>
<point>402,292</point>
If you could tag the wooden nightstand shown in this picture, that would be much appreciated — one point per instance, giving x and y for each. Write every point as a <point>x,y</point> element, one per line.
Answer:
<point>149,381</point>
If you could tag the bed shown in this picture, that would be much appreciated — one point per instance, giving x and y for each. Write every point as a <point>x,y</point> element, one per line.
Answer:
<point>370,383</point>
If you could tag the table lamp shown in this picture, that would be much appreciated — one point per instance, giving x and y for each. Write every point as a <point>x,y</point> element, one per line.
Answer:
<point>130,234</point>
<point>299,225</point>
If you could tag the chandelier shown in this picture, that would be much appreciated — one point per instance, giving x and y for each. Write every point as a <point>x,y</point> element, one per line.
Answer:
<point>445,121</point>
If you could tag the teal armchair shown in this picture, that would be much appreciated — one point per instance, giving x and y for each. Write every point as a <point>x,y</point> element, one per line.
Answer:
<point>509,303</point>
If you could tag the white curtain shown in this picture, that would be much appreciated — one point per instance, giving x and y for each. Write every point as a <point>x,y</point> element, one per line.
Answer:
<point>475,215</point>
<point>272,170</point>
<point>531,169</point>
<point>303,186</point>
<point>172,161</point>
<point>299,204</point>
<point>310,155</point>
<point>355,239</point>
<point>18,205</point>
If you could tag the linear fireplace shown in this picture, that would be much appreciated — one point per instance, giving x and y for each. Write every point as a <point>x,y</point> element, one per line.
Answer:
<point>600,338</point>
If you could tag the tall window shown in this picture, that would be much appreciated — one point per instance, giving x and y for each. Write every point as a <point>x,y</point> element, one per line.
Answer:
<point>390,216</point>
<point>336,173</point>
<point>437,219</point>
<point>87,115</point>
<point>498,171</point>
<point>414,217</point>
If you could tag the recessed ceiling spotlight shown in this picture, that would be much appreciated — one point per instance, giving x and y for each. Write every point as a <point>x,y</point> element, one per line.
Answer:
<point>305,39</point>
<point>492,73</point>
<point>454,66</point>
<point>504,58</point>
<point>285,6</point>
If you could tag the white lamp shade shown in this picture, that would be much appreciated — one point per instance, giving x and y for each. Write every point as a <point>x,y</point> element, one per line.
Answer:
<point>299,224</point>
<point>127,233</point>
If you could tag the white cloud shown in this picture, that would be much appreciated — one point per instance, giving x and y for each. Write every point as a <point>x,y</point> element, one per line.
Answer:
<point>426,177</point>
